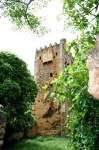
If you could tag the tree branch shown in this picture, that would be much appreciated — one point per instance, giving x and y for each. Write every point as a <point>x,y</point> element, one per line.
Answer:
<point>90,10</point>
<point>27,5</point>
<point>79,12</point>
<point>18,1</point>
<point>93,8</point>
<point>30,2</point>
<point>94,15</point>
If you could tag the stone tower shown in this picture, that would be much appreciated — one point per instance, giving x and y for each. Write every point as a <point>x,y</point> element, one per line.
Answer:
<point>49,62</point>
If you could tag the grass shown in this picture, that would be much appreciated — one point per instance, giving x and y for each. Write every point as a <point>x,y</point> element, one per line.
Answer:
<point>42,143</point>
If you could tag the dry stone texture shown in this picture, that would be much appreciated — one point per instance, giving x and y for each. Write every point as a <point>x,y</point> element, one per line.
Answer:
<point>2,126</point>
<point>49,115</point>
<point>93,66</point>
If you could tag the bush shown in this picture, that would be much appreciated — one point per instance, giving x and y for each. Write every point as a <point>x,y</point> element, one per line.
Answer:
<point>17,92</point>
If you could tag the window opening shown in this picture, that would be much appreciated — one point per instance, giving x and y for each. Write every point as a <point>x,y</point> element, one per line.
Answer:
<point>51,75</point>
<point>51,85</point>
<point>65,63</point>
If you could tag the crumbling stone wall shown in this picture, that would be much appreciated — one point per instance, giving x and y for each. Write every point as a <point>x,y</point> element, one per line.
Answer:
<point>49,62</point>
<point>93,67</point>
<point>2,126</point>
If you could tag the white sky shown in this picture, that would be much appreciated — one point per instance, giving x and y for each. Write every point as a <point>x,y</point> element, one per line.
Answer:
<point>23,43</point>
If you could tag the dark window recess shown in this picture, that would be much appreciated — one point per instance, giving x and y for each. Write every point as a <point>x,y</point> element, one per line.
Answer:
<point>51,85</point>
<point>65,62</point>
<point>56,53</point>
<point>51,75</point>
<point>40,57</point>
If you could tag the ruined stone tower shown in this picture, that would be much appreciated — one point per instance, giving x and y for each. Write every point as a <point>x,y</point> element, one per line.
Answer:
<point>49,62</point>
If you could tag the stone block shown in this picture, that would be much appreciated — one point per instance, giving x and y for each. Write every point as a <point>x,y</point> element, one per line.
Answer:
<point>3,125</point>
<point>1,143</point>
<point>2,130</point>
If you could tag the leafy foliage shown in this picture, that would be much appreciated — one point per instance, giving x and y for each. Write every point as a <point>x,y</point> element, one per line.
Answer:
<point>82,14</point>
<point>17,92</point>
<point>23,13</point>
<point>82,121</point>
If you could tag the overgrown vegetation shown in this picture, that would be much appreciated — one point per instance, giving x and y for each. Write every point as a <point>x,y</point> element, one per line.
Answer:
<point>42,143</point>
<point>82,122</point>
<point>17,92</point>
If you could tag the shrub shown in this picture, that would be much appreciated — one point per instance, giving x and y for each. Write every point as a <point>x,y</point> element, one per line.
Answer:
<point>17,92</point>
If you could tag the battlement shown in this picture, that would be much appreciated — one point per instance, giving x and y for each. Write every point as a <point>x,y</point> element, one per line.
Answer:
<point>47,54</point>
<point>51,46</point>
<point>47,47</point>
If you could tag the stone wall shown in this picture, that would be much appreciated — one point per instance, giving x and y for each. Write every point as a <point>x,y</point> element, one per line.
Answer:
<point>49,62</point>
<point>2,126</point>
<point>93,67</point>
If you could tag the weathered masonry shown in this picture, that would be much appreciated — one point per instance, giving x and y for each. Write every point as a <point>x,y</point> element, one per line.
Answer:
<point>49,62</point>
<point>2,125</point>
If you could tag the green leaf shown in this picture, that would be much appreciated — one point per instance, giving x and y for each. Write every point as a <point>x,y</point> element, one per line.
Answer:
<point>46,94</point>
<point>45,87</point>
<point>54,81</point>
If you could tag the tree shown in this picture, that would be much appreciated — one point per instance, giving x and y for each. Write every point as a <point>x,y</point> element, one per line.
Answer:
<point>23,13</point>
<point>82,121</point>
<point>17,92</point>
<point>82,14</point>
